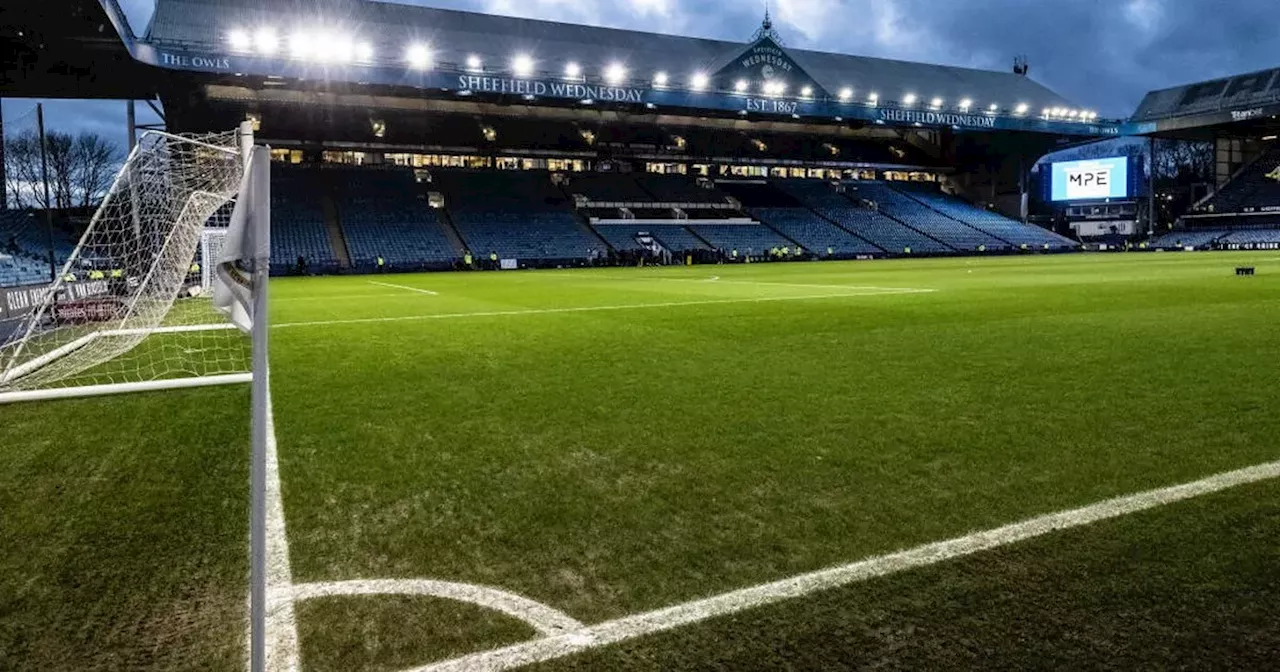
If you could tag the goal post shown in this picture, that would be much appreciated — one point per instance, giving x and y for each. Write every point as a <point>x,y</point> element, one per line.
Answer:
<point>131,308</point>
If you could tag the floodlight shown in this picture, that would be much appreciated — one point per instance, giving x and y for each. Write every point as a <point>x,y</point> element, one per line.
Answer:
<point>474,63</point>
<point>615,73</point>
<point>935,103</point>
<point>966,104</point>
<point>364,52</point>
<point>807,91</point>
<point>660,79</point>
<point>1022,108</point>
<point>522,65</point>
<point>740,85</point>
<point>699,80</point>
<point>909,99</point>
<point>240,40</point>
<point>342,50</point>
<point>266,41</point>
<point>846,93</point>
<point>418,56</point>
<point>572,69</point>
<point>300,45</point>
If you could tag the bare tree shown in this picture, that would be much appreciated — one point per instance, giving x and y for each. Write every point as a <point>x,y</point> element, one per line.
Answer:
<point>59,148</point>
<point>22,170</point>
<point>95,163</point>
<point>80,169</point>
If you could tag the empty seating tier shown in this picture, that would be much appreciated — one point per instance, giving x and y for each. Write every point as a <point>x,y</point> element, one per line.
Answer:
<point>918,216</point>
<point>1014,232</point>
<point>383,215</point>
<point>297,219</point>
<point>748,239</point>
<point>517,215</point>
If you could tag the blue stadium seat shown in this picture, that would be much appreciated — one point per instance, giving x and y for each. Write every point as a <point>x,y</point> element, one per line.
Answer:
<point>1012,231</point>
<point>748,239</point>
<point>297,219</point>
<point>1251,190</point>
<point>383,216</point>
<point>918,216</point>
<point>519,215</point>
<point>867,224</point>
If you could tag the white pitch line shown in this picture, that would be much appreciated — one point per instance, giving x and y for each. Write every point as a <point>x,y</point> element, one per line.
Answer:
<point>281,622</point>
<point>631,627</point>
<point>587,309</point>
<point>404,287</point>
<point>337,297</point>
<point>542,618</point>
<point>808,286</point>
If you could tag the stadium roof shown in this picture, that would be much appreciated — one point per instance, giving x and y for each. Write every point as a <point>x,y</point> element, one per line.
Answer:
<point>1247,97</point>
<point>454,36</point>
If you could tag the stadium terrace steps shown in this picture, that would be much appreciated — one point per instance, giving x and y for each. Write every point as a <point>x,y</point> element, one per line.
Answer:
<point>590,232</point>
<point>849,215</point>
<point>337,241</point>
<point>383,216</point>
<point>916,215</point>
<point>451,232</point>
<point>782,207</point>
<point>1013,232</point>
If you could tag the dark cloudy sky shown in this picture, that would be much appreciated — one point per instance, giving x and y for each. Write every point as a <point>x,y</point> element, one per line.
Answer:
<point>1101,54</point>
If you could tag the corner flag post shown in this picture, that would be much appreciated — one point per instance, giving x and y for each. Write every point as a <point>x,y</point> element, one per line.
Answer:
<point>244,298</point>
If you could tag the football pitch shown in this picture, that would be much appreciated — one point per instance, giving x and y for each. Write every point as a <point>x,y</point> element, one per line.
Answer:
<point>1009,463</point>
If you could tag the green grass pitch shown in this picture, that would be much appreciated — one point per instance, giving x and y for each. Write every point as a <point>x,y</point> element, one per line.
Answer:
<point>609,442</point>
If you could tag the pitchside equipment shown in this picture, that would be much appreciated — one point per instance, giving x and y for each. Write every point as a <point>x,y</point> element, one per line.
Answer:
<point>129,310</point>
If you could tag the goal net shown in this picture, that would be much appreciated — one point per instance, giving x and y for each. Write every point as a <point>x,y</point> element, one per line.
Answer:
<point>131,308</point>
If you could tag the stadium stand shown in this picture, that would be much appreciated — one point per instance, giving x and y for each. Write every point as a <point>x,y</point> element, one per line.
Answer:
<point>1014,232</point>
<point>677,189</point>
<point>24,248</point>
<point>297,220</point>
<point>870,225</point>
<point>1251,238</point>
<point>749,239</point>
<point>608,188</point>
<point>677,239</point>
<point>382,215</point>
<point>925,219</point>
<point>518,215</point>
<point>1176,240</point>
<point>788,215</point>
<point>1253,189</point>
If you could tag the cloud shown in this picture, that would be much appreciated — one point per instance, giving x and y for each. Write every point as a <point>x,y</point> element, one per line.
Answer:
<point>1102,54</point>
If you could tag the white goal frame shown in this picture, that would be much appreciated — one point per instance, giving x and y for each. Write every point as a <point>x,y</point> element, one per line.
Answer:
<point>208,254</point>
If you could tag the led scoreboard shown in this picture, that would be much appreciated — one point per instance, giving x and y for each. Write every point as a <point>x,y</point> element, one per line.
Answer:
<point>1094,179</point>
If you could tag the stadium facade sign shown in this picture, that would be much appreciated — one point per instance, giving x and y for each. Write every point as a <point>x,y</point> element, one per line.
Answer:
<point>767,61</point>
<point>819,104</point>
<point>937,118</point>
<point>556,89</point>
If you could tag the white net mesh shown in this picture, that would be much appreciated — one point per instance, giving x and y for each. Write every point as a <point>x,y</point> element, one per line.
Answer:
<point>129,305</point>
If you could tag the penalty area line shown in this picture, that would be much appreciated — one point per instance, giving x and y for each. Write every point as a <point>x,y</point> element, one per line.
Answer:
<point>588,309</point>
<point>631,627</point>
<point>404,287</point>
